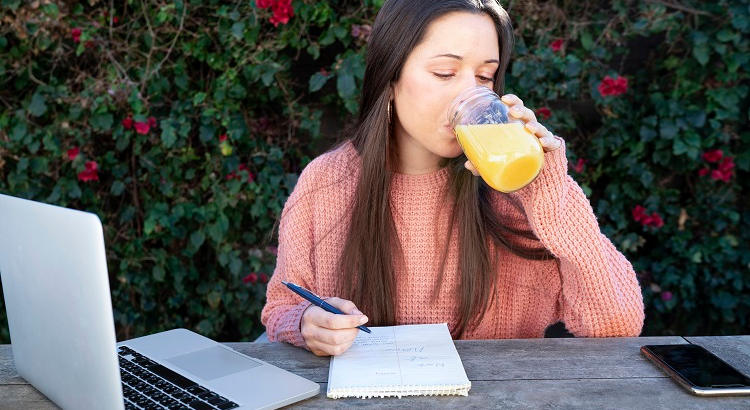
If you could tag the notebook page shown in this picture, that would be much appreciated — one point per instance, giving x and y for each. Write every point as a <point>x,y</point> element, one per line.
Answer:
<point>397,361</point>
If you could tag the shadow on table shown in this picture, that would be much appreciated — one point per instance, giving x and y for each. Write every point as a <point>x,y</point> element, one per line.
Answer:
<point>556,330</point>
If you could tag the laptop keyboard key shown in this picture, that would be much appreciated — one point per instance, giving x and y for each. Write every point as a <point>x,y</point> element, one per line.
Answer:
<point>208,395</point>
<point>199,405</point>
<point>184,397</point>
<point>172,376</point>
<point>216,400</point>
<point>197,389</point>
<point>227,405</point>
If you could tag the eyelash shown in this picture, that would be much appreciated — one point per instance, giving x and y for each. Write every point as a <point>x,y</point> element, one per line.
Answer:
<point>445,76</point>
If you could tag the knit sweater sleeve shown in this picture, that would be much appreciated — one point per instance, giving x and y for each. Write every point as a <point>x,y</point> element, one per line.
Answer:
<point>600,293</point>
<point>282,313</point>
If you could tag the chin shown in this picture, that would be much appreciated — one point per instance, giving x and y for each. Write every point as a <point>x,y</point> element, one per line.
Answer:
<point>451,149</point>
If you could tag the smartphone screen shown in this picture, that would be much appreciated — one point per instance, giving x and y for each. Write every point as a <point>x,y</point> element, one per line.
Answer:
<point>699,366</point>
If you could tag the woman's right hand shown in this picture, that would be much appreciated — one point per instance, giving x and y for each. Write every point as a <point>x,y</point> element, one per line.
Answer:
<point>327,333</point>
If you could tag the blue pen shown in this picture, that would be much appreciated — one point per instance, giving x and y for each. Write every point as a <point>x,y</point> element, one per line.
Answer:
<point>315,300</point>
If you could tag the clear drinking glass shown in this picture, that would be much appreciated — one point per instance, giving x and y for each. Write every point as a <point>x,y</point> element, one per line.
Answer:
<point>506,154</point>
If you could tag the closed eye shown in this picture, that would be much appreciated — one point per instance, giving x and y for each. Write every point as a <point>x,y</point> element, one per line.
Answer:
<point>446,76</point>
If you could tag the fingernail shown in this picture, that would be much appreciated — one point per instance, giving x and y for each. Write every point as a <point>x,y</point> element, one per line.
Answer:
<point>363,319</point>
<point>505,98</point>
<point>356,312</point>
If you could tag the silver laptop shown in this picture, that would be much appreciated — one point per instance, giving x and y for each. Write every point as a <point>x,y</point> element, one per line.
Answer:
<point>57,297</point>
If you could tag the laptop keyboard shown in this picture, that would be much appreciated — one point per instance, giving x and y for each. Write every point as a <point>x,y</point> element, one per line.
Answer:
<point>149,385</point>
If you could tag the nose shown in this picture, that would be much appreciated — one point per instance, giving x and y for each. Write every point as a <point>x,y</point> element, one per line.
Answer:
<point>468,80</point>
<point>465,81</point>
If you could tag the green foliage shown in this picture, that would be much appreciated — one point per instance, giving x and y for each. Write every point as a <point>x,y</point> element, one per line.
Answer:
<point>188,214</point>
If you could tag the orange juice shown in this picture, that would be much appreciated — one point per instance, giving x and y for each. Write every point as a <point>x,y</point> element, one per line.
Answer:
<point>507,156</point>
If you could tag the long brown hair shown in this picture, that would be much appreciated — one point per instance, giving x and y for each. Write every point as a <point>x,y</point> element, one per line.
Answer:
<point>372,249</point>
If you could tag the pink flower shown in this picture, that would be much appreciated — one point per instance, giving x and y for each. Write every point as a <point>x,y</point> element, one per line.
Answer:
<point>666,296</point>
<point>639,213</point>
<point>141,127</point>
<point>612,87</point>
<point>703,172</point>
<point>282,11</point>
<point>151,122</point>
<point>578,167</point>
<point>90,173</point>
<point>655,221</point>
<point>556,45</point>
<point>251,278</point>
<point>544,112</point>
<point>76,33</point>
<point>264,4</point>
<point>713,155</point>
<point>263,278</point>
<point>127,123</point>
<point>727,165</point>
<point>361,32</point>
<point>222,137</point>
<point>115,20</point>
<point>73,153</point>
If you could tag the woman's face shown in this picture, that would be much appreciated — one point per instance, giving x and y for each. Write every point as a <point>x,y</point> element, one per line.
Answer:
<point>459,50</point>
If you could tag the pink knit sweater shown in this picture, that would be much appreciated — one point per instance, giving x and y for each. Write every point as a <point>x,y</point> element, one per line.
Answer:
<point>590,285</point>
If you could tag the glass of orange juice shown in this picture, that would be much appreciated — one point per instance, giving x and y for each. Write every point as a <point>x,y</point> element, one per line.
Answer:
<point>506,154</point>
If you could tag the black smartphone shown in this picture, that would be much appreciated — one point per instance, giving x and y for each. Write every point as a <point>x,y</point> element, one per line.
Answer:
<point>698,370</point>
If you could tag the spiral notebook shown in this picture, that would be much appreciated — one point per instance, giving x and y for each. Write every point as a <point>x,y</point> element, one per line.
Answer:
<point>407,360</point>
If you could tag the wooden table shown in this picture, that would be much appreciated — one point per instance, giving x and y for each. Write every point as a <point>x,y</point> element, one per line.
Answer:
<point>533,373</point>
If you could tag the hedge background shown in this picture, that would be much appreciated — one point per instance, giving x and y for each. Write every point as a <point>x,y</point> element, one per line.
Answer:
<point>184,125</point>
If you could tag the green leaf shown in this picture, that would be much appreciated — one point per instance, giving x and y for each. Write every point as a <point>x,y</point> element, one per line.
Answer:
<point>198,98</point>
<point>317,81</point>
<point>158,273</point>
<point>37,107</point>
<point>149,225</point>
<point>11,4</point>
<point>117,188</point>
<point>207,132</point>
<point>726,35</point>
<point>668,129</point>
<point>238,30</point>
<point>235,265</point>
<point>268,73</point>
<point>700,47</point>
<point>51,10</point>
<point>314,50</point>
<point>586,41</point>
<point>102,122</point>
<point>19,132</point>
<point>647,133</point>
<point>345,85</point>
<point>168,134</point>
<point>197,238</point>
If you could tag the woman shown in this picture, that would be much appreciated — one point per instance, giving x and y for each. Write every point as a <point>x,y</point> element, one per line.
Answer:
<point>392,223</point>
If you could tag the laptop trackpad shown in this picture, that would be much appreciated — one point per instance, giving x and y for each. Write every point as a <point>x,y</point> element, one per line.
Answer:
<point>213,362</point>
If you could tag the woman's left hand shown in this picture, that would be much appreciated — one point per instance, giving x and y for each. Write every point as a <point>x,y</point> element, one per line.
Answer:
<point>548,140</point>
